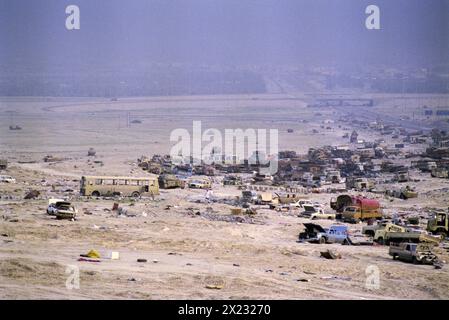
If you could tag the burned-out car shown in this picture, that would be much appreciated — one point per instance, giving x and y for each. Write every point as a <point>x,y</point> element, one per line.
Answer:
<point>61,209</point>
<point>317,234</point>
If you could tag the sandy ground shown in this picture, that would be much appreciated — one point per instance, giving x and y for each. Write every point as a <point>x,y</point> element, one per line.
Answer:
<point>191,246</point>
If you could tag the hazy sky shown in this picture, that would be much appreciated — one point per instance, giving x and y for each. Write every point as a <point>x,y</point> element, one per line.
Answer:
<point>319,32</point>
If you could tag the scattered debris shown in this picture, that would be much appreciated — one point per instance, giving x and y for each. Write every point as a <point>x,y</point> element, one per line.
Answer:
<point>33,194</point>
<point>330,254</point>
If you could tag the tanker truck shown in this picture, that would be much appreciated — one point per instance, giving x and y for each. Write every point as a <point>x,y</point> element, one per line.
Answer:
<point>356,208</point>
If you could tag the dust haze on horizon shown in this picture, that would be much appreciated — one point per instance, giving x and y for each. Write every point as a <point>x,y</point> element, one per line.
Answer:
<point>223,41</point>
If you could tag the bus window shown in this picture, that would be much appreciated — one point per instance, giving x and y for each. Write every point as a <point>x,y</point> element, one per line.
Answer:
<point>98,182</point>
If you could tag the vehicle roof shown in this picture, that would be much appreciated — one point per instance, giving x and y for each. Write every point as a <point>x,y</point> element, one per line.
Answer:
<point>338,226</point>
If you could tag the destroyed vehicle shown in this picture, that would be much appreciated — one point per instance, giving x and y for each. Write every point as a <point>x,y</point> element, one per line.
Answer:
<point>91,152</point>
<point>359,239</point>
<point>232,180</point>
<point>200,184</point>
<point>440,173</point>
<point>170,181</point>
<point>335,177</point>
<point>356,208</point>
<point>311,209</point>
<point>281,207</point>
<point>287,197</point>
<point>50,158</point>
<point>438,224</point>
<point>370,230</point>
<point>250,196</point>
<point>7,179</point>
<point>402,177</point>
<point>317,234</point>
<point>359,184</point>
<point>97,186</point>
<point>322,215</point>
<point>61,209</point>
<point>413,252</point>
<point>404,193</point>
<point>395,233</point>
<point>3,164</point>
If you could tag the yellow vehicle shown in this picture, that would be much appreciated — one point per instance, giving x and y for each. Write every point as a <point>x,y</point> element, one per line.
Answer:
<point>112,185</point>
<point>394,233</point>
<point>357,214</point>
<point>200,184</point>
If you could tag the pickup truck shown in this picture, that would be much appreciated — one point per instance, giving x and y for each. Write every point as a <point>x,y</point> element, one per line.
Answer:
<point>317,234</point>
<point>413,252</point>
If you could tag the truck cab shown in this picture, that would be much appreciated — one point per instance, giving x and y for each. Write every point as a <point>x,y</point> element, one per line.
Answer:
<point>357,213</point>
<point>438,224</point>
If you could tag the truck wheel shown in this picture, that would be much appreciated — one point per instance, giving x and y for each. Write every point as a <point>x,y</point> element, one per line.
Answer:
<point>95,194</point>
<point>135,194</point>
<point>442,234</point>
<point>414,260</point>
<point>395,257</point>
<point>345,242</point>
<point>322,240</point>
<point>381,241</point>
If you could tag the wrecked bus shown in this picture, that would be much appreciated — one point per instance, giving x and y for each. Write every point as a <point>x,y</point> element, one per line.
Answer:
<point>97,186</point>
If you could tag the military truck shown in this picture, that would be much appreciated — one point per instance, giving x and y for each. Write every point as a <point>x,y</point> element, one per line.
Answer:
<point>3,164</point>
<point>170,181</point>
<point>438,224</point>
<point>394,233</point>
<point>414,252</point>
